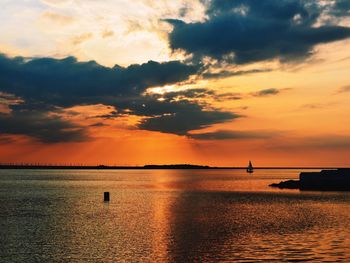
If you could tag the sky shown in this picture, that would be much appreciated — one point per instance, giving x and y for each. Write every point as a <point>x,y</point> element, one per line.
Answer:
<point>212,82</point>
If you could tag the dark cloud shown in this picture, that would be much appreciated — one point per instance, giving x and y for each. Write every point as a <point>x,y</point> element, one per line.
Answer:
<point>266,92</point>
<point>228,96</point>
<point>232,135</point>
<point>41,126</point>
<point>6,100</point>
<point>340,8</point>
<point>5,139</point>
<point>98,124</point>
<point>244,31</point>
<point>189,93</point>
<point>194,94</point>
<point>111,115</point>
<point>192,117</point>
<point>238,96</point>
<point>67,82</point>
<point>47,86</point>
<point>176,112</point>
<point>227,73</point>
<point>198,94</point>
<point>172,112</point>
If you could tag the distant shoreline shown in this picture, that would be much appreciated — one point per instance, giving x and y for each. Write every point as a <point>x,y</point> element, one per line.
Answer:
<point>145,167</point>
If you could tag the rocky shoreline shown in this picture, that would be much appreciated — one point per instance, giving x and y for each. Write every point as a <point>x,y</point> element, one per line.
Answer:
<point>290,184</point>
<point>325,180</point>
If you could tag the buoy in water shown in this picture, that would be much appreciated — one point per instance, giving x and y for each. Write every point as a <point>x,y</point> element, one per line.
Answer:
<point>106,196</point>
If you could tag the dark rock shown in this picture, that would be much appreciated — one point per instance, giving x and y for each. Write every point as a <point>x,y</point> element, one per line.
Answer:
<point>326,180</point>
<point>290,184</point>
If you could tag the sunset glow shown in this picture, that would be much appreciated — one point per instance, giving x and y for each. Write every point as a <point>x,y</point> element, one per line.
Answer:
<point>174,81</point>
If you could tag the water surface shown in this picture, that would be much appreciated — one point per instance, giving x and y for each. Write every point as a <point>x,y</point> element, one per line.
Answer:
<point>168,216</point>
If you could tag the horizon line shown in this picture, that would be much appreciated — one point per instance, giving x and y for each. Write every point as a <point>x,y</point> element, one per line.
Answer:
<point>149,166</point>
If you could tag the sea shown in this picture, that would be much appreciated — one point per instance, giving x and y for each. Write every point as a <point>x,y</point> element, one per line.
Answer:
<point>168,216</point>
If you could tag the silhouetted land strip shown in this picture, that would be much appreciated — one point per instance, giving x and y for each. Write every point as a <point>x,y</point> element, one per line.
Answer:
<point>103,167</point>
<point>290,184</point>
<point>153,166</point>
<point>326,180</point>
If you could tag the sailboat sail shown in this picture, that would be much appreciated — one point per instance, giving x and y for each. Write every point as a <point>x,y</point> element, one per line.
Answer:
<point>250,168</point>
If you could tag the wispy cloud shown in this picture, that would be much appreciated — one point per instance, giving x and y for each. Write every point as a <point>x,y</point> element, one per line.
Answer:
<point>317,106</point>
<point>268,92</point>
<point>233,135</point>
<point>344,89</point>
<point>320,142</point>
<point>227,73</point>
<point>107,33</point>
<point>265,92</point>
<point>58,18</point>
<point>77,40</point>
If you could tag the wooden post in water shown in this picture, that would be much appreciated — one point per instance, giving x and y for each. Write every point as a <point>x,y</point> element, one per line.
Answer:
<point>106,196</point>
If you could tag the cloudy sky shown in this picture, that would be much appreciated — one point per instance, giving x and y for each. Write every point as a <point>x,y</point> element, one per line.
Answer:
<point>214,82</point>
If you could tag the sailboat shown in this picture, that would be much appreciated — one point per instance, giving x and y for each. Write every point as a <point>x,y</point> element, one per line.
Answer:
<point>250,168</point>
